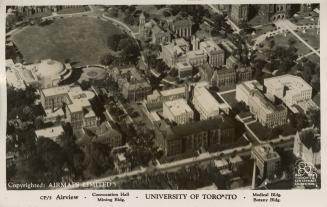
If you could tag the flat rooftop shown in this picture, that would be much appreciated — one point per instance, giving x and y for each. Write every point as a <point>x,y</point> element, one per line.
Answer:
<point>55,90</point>
<point>266,152</point>
<point>178,107</point>
<point>292,82</point>
<point>50,132</point>
<point>205,98</point>
<point>210,46</point>
<point>173,91</point>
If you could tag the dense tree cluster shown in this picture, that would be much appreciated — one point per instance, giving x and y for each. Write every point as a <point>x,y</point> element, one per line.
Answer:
<point>114,39</point>
<point>21,103</point>
<point>143,149</point>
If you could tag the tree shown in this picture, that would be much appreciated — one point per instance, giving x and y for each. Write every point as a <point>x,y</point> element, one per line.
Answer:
<point>113,12</point>
<point>314,116</point>
<point>107,59</point>
<point>97,158</point>
<point>271,44</point>
<point>129,50</point>
<point>166,13</point>
<point>239,107</point>
<point>291,41</point>
<point>299,121</point>
<point>113,40</point>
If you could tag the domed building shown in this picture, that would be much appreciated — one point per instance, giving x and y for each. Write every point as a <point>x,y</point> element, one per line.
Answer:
<point>48,73</point>
<point>51,72</point>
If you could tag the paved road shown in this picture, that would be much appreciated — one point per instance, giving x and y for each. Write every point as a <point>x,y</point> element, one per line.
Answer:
<point>306,55</point>
<point>168,166</point>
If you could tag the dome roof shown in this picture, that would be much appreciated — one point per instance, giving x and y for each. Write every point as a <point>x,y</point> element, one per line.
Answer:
<point>49,68</point>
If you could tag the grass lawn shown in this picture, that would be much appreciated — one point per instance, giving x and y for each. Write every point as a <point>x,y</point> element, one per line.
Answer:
<point>311,37</point>
<point>230,98</point>
<point>281,40</point>
<point>81,39</point>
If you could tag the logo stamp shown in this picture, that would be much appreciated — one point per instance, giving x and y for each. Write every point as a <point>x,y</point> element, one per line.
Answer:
<point>305,175</point>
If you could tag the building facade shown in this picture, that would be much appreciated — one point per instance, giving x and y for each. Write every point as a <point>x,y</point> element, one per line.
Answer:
<point>273,12</point>
<point>289,88</point>
<point>185,70</point>
<point>216,55</point>
<point>205,104</point>
<point>239,13</point>
<point>307,146</point>
<point>187,139</point>
<point>72,102</point>
<point>267,160</point>
<point>178,111</point>
<point>181,28</point>
<point>224,78</point>
<point>265,112</point>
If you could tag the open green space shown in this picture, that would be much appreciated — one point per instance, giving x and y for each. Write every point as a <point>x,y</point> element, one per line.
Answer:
<point>81,39</point>
<point>310,36</point>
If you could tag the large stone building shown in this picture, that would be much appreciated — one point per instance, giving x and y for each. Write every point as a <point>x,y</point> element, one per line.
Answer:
<point>181,27</point>
<point>202,52</point>
<point>185,70</point>
<point>155,100</point>
<point>45,74</point>
<point>158,34</point>
<point>216,56</point>
<point>265,111</point>
<point>207,106</point>
<point>243,74</point>
<point>172,54</point>
<point>69,103</point>
<point>239,13</point>
<point>197,57</point>
<point>272,12</point>
<point>102,133</point>
<point>267,160</point>
<point>224,78</point>
<point>178,111</point>
<point>132,85</point>
<point>289,88</point>
<point>186,140</point>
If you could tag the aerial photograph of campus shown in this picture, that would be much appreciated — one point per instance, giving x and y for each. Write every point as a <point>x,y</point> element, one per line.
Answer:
<point>179,97</point>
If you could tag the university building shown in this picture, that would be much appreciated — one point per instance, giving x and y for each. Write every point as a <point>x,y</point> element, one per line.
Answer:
<point>187,139</point>
<point>239,13</point>
<point>266,159</point>
<point>307,146</point>
<point>273,12</point>
<point>291,89</point>
<point>207,106</point>
<point>178,111</point>
<point>181,28</point>
<point>45,74</point>
<point>69,103</point>
<point>216,55</point>
<point>224,78</point>
<point>264,110</point>
<point>132,85</point>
